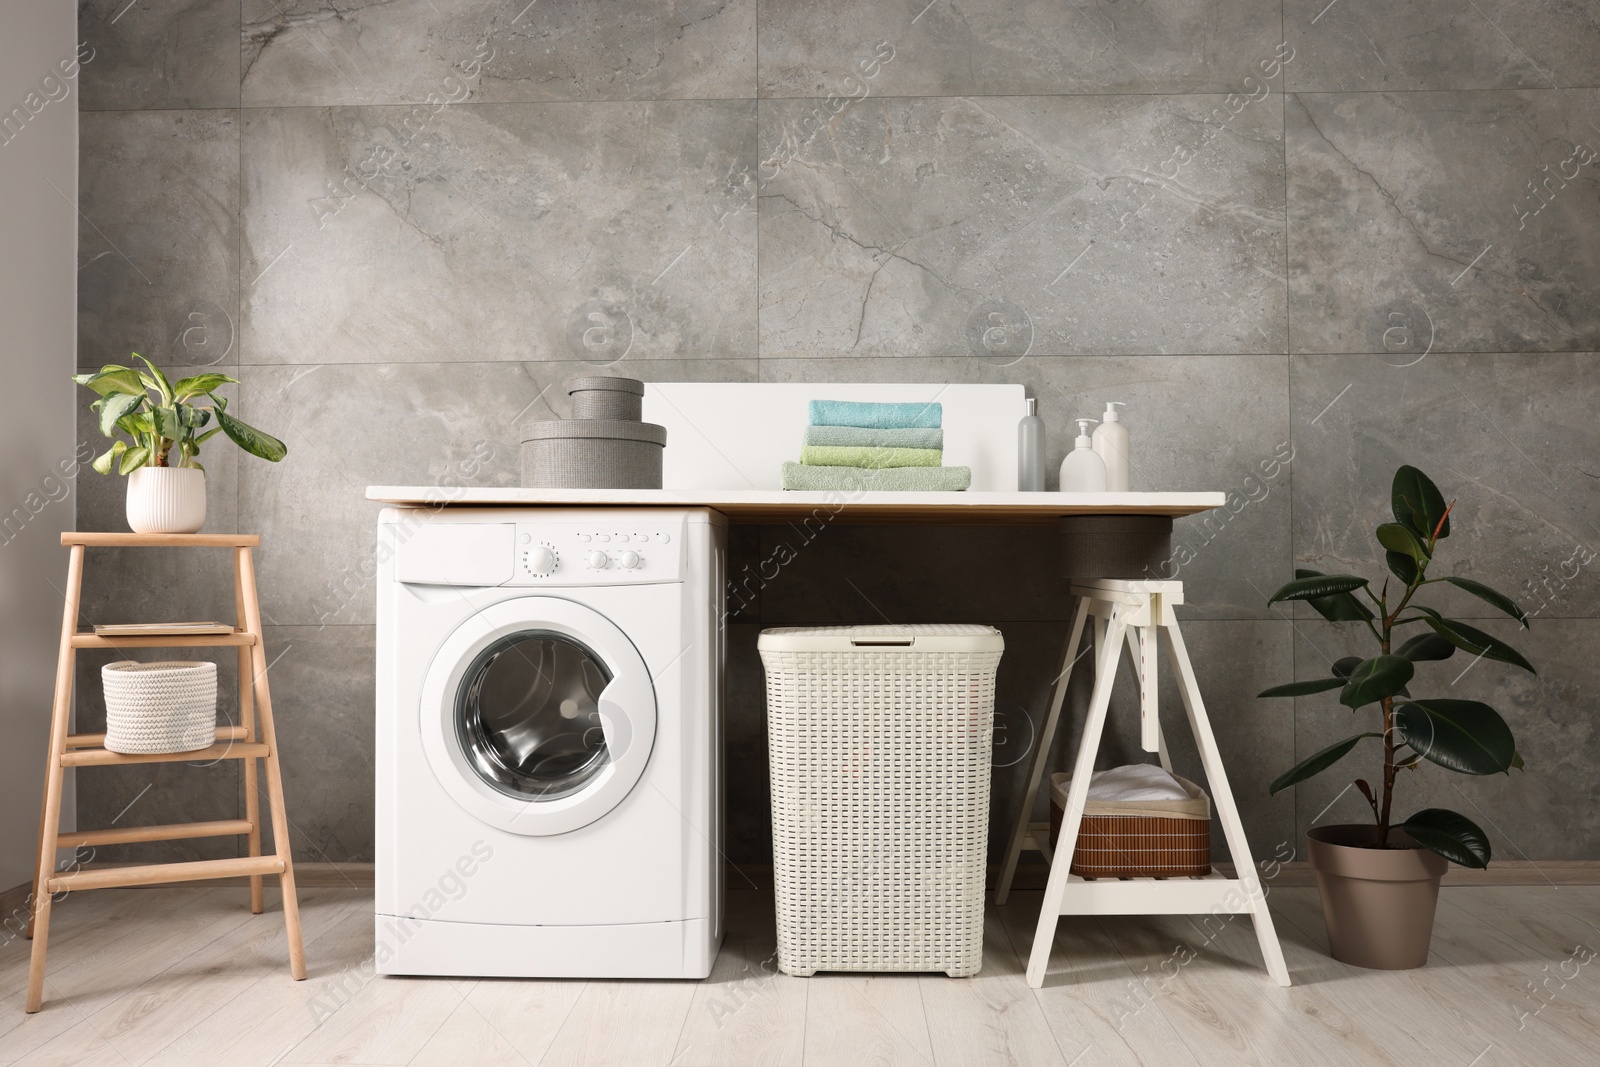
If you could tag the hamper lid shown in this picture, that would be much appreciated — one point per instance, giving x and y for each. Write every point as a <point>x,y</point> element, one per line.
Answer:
<point>880,637</point>
<point>589,429</point>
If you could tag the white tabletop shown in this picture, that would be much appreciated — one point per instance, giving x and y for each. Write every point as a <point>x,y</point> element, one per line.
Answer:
<point>770,505</point>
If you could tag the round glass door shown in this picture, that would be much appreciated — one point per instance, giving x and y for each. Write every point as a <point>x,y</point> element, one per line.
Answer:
<point>528,715</point>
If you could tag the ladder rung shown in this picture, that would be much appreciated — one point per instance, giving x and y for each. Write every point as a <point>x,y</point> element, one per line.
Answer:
<point>224,733</point>
<point>155,874</point>
<point>177,831</point>
<point>99,757</point>
<point>93,640</point>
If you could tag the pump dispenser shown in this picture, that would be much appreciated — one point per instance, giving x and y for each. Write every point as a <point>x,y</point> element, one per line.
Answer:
<point>1111,445</point>
<point>1083,471</point>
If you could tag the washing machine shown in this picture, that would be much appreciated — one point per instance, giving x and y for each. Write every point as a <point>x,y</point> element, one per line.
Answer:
<point>549,721</point>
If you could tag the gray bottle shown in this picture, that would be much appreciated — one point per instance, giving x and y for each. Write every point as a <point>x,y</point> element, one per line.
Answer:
<point>1030,450</point>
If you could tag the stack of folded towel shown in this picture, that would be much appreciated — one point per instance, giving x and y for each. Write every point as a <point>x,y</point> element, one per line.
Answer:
<point>854,445</point>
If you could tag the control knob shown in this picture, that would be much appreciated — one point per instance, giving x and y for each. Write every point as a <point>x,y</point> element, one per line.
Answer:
<point>598,560</point>
<point>539,560</point>
<point>629,560</point>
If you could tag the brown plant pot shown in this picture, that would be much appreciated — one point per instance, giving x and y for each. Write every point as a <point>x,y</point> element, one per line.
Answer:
<point>1378,903</point>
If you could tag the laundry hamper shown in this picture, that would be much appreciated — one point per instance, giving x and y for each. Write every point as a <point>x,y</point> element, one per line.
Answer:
<point>880,751</point>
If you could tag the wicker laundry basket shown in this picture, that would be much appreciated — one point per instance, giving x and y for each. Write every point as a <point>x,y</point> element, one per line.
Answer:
<point>880,743</point>
<point>1137,838</point>
<point>170,706</point>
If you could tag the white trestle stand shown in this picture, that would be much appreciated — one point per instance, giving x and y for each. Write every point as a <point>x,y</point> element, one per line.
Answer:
<point>1135,611</point>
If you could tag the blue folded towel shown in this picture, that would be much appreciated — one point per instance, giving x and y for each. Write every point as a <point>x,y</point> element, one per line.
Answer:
<point>926,416</point>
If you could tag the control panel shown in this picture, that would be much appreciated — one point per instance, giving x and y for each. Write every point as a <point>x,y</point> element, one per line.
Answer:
<point>597,554</point>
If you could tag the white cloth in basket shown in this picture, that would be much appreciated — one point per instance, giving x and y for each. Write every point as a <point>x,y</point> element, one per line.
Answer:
<point>1137,781</point>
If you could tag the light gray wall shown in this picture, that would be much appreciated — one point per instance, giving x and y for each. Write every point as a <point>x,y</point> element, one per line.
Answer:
<point>38,240</point>
<point>1257,246</point>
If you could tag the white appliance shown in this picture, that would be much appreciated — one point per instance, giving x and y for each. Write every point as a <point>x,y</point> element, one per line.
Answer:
<point>549,779</point>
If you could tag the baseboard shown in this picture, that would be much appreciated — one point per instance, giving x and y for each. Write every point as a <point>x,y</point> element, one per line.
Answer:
<point>758,876</point>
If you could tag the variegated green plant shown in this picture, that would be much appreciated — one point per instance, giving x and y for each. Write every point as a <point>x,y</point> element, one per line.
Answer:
<point>156,422</point>
<point>1459,735</point>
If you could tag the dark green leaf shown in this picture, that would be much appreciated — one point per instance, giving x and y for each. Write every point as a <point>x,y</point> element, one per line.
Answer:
<point>168,423</point>
<point>1317,586</point>
<point>1516,761</point>
<point>1339,607</point>
<point>1491,596</point>
<point>1317,763</point>
<point>1427,646</point>
<point>1401,566</point>
<point>115,406</point>
<point>1459,735</point>
<point>1374,679</point>
<point>251,439</point>
<point>1344,665</point>
<point>1300,689</point>
<point>193,417</point>
<point>1399,538</point>
<point>1453,836</point>
<point>1471,639</point>
<point>1418,503</point>
<point>208,435</point>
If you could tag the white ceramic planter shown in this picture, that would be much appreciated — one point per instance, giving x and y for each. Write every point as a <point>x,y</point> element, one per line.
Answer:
<point>166,500</point>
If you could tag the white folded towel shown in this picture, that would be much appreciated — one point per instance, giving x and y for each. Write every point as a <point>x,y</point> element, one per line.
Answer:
<point>1138,781</point>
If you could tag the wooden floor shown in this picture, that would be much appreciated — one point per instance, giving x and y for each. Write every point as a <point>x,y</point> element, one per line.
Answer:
<point>188,976</point>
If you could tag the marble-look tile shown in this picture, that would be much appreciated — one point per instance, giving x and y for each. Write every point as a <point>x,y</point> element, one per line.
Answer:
<point>151,55</point>
<point>1442,44</point>
<point>157,793</point>
<point>1217,423</point>
<point>1043,225</point>
<point>1546,811</point>
<point>156,584</point>
<point>1415,220</point>
<point>499,232</point>
<point>322,680</point>
<point>1012,47</point>
<point>349,426</point>
<point>1509,438</point>
<point>158,240</point>
<point>305,52</point>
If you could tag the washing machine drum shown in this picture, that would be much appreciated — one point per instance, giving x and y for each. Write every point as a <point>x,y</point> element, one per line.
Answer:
<point>538,715</point>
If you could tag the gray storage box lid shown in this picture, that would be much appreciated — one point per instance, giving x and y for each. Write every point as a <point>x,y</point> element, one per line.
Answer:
<point>606,382</point>
<point>589,429</point>
<point>914,637</point>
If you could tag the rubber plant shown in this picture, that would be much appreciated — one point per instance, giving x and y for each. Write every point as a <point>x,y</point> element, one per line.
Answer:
<point>1459,735</point>
<point>164,422</point>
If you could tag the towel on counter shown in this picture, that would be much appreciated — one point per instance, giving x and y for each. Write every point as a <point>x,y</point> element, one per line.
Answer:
<point>843,436</point>
<point>869,456</point>
<point>889,479</point>
<point>926,416</point>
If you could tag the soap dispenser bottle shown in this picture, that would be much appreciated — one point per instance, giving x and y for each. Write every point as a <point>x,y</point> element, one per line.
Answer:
<point>1030,450</point>
<point>1111,445</point>
<point>1083,471</point>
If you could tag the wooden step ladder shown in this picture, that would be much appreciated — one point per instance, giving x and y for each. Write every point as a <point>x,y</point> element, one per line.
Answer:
<point>251,740</point>
<point>1138,612</point>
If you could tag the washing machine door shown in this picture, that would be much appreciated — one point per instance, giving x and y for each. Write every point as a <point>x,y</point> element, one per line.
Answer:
<point>538,715</point>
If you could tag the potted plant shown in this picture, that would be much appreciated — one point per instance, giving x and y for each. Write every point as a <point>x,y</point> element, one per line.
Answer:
<point>1379,883</point>
<point>158,427</point>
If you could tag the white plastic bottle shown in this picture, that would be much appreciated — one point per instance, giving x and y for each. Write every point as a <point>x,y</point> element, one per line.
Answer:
<point>1111,445</point>
<point>1083,471</point>
<point>1030,450</point>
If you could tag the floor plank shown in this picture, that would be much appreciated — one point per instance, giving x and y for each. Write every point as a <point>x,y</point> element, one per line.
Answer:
<point>865,1020</point>
<point>613,1022</point>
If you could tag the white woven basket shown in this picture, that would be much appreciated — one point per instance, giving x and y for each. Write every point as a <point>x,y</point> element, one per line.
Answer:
<point>169,706</point>
<point>880,752</point>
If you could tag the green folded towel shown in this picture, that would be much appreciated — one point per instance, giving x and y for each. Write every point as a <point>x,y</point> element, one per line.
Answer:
<point>891,479</point>
<point>869,456</point>
<point>857,435</point>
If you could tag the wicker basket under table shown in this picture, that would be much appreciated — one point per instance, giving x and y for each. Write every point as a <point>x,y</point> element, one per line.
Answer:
<point>1140,838</point>
<point>880,742</point>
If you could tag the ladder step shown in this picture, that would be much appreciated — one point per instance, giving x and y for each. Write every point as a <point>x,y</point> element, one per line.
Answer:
<point>99,757</point>
<point>93,640</point>
<point>155,874</point>
<point>224,733</point>
<point>178,831</point>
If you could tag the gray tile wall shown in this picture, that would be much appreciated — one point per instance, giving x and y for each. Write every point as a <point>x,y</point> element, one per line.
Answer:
<point>1370,233</point>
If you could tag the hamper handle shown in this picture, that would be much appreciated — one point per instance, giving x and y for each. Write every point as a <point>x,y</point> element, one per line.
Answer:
<point>892,642</point>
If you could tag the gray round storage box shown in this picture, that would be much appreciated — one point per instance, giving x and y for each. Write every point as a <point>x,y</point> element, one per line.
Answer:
<point>593,454</point>
<point>606,397</point>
